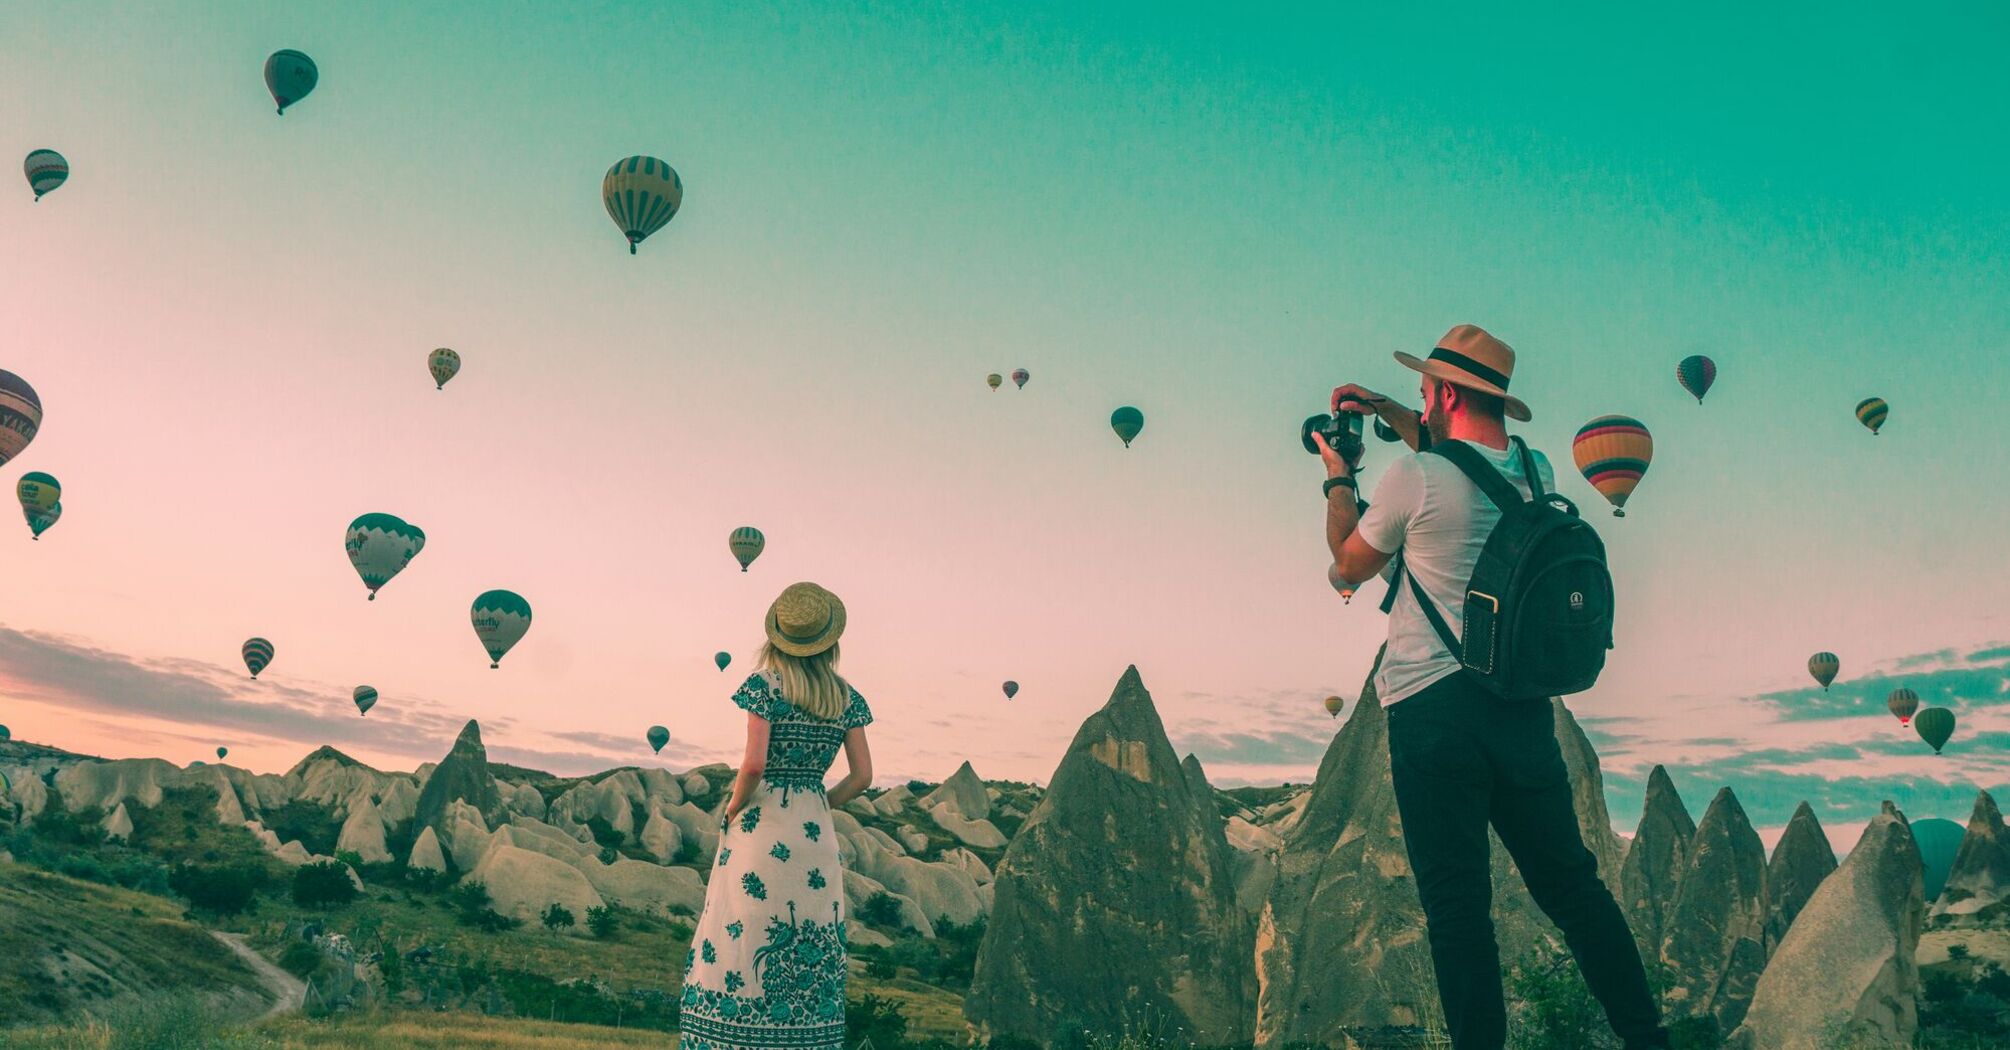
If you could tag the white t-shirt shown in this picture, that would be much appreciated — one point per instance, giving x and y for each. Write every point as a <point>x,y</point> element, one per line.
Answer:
<point>1427,508</point>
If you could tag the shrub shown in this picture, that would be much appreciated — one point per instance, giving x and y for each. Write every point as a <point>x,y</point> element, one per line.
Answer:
<point>472,907</point>
<point>874,1018</point>
<point>604,834</point>
<point>350,857</point>
<point>1550,1005</point>
<point>880,910</point>
<point>558,916</point>
<point>688,853</point>
<point>602,921</point>
<point>1957,951</point>
<point>881,969</point>
<point>300,959</point>
<point>312,823</point>
<point>222,889</point>
<point>321,884</point>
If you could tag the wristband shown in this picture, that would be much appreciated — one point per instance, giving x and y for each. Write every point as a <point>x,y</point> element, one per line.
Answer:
<point>1333,483</point>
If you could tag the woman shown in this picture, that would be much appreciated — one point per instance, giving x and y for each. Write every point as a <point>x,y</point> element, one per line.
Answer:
<point>767,962</point>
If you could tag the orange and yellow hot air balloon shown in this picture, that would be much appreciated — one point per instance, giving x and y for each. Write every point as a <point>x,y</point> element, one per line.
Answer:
<point>1613,452</point>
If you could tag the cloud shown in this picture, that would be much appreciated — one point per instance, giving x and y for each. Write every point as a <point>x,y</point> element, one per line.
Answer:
<point>1941,679</point>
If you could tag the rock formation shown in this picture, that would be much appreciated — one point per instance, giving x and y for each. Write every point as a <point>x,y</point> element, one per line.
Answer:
<point>426,853</point>
<point>1846,968</point>
<point>1714,938</point>
<point>1980,876</point>
<point>1652,870</point>
<point>119,824</point>
<point>1114,901</point>
<point>1340,943</point>
<point>522,884</point>
<point>462,776</point>
<point>363,833</point>
<point>962,792</point>
<point>1801,860</point>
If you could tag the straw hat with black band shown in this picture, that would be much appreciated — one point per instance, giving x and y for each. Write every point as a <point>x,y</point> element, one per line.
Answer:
<point>805,620</point>
<point>1469,357</point>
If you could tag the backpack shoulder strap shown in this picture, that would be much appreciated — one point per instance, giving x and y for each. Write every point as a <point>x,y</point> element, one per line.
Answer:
<point>1425,603</point>
<point>1528,470</point>
<point>1497,487</point>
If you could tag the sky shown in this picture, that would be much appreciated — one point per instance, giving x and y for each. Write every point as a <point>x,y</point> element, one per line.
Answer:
<point>1213,214</point>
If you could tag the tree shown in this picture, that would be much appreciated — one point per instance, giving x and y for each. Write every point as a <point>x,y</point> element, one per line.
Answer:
<point>322,883</point>
<point>602,921</point>
<point>557,916</point>
<point>222,889</point>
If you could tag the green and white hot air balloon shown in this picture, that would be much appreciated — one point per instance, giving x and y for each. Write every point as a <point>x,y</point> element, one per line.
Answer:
<point>46,169</point>
<point>380,546</point>
<point>500,619</point>
<point>444,364</point>
<point>366,698</point>
<point>747,544</point>
<point>641,195</point>
<point>257,653</point>
<point>40,521</point>
<point>658,736</point>
<point>290,75</point>
<point>41,500</point>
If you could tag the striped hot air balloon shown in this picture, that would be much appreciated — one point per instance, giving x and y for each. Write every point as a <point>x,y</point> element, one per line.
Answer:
<point>1871,412</point>
<point>746,543</point>
<point>366,698</point>
<point>1127,422</point>
<point>1340,584</point>
<point>290,76</point>
<point>20,415</point>
<point>500,619</point>
<point>1824,667</point>
<point>1019,377</point>
<point>380,546</point>
<point>658,736</point>
<point>1902,702</point>
<point>1696,373</point>
<point>994,381</point>
<point>1612,452</point>
<point>1934,725</point>
<point>641,194</point>
<point>40,496</point>
<point>444,364</point>
<point>46,169</point>
<point>257,655</point>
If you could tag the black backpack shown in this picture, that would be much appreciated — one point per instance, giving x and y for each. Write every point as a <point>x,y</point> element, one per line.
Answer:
<point>1538,611</point>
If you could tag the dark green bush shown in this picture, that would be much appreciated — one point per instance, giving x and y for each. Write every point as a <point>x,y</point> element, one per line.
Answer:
<point>880,910</point>
<point>221,889</point>
<point>321,884</point>
<point>602,921</point>
<point>558,916</point>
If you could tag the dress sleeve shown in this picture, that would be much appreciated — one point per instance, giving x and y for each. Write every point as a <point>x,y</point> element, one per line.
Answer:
<point>756,696</point>
<point>856,713</point>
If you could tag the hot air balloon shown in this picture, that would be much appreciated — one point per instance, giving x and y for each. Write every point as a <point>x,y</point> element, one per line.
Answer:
<point>444,364</point>
<point>500,619</point>
<point>1902,702</point>
<point>1871,412</point>
<point>257,654</point>
<point>20,415</point>
<point>994,381</point>
<point>1696,373</point>
<point>1934,725</point>
<point>1127,421</point>
<point>1824,667</point>
<point>658,736</point>
<point>46,170</point>
<point>290,75</point>
<point>1612,452</point>
<point>380,546</point>
<point>1333,705</point>
<point>722,658</point>
<point>366,698</point>
<point>1340,584</point>
<point>220,752</point>
<point>39,494</point>
<point>747,544</point>
<point>6,734</point>
<point>1019,377</point>
<point>1011,690</point>
<point>641,194</point>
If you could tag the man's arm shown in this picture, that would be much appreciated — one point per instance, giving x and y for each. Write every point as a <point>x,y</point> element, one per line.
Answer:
<point>1356,560</point>
<point>1399,419</point>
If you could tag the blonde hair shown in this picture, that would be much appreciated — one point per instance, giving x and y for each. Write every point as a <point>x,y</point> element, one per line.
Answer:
<point>809,682</point>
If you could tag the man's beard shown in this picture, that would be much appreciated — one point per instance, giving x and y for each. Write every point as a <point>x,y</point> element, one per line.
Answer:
<point>1439,427</point>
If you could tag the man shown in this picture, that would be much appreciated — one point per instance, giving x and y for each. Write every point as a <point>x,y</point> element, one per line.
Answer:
<point>1463,758</point>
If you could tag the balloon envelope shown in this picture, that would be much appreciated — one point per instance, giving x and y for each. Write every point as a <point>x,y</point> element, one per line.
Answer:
<point>290,76</point>
<point>222,751</point>
<point>1339,583</point>
<point>6,733</point>
<point>1824,666</point>
<point>39,521</point>
<point>20,415</point>
<point>658,736</point>
<point>500,619</point>
<point>1127,422</point>
<point>46,169</point>
<point>1902,702</point>
<point>722,659</point>
<point>1011,690</point>
<point>747,543</point>
<point>994,380</point>
<point>380,546</point>
<point>1696,373</point>
<point>641,195</point>
<point>257,654</point>
<point>444,364</point>
<point>1019,377</point>
<point>366,698</point>
<point>39,494</point>
<point>1334,704</point>
<point>1871,412</point>
<point>1612,452</point>
<point>1934,725</point>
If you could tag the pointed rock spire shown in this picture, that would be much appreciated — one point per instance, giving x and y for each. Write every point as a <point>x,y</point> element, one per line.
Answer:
<point>964,792</point>
<point>1714,940</point>
<point>1981,872</point>
<point>1654,864</point>
<point>1115,898</point>
<point>1800,862</point>
<point>461,776</point>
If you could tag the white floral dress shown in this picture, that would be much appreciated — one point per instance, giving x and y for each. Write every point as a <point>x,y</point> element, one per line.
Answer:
<point>767,962</point>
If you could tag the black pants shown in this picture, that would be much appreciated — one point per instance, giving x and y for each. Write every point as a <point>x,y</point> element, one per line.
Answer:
<point>1462,759</point>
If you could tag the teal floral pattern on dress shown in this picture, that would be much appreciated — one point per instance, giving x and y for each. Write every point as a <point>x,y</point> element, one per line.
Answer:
<point>801,746</point>
<point>754,886</point>
<point>734,982</point>
<point>812,830</point>
<point>801,970</point>
<point>725,855</point>
<point>735,929</point>
<point>751,819</point>
<point>816,879</point>
<point>708,953</point>
<point>780,852</point>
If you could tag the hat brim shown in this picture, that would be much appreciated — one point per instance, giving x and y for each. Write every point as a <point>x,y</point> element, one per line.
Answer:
<point>1450,374</point>
<point>808,647</point>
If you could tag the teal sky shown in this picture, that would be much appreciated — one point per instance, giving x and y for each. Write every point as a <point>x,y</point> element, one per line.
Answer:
<point>1214,214</point>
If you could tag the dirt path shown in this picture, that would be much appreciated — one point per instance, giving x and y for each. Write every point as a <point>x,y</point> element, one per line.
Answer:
<point>287,991</point>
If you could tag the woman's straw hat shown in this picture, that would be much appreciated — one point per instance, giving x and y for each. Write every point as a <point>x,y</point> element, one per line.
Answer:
<point>1467,356</point>
<point>805,620</point>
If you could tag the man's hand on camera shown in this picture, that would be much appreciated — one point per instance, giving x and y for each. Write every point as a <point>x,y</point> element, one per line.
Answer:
<point>1362,400</point>
<point>1336,467</point>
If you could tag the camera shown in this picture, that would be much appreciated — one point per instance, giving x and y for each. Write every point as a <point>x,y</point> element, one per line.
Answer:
<point>1341,433</point>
